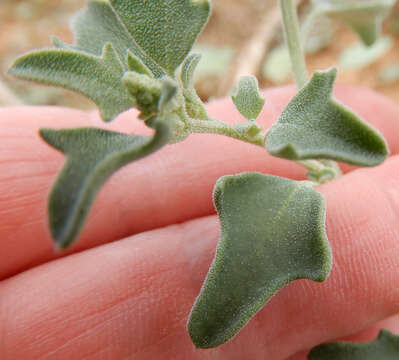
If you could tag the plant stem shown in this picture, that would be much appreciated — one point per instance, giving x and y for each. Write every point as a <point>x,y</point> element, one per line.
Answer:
<point>319,171</point>
<point>215,126</point>
<point>291,32</point>
<point>311,165</point>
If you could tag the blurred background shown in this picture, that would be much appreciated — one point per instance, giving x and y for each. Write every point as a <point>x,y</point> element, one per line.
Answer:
<point>242,37</point>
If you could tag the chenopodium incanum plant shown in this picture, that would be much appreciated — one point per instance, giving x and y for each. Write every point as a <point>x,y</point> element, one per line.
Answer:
<point>136,54</point>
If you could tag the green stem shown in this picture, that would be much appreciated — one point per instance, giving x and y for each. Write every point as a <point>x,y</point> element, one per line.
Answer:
<point>311,165</point>
<point>215,126</point>
<point>319,171</point>
<point>291,32</point>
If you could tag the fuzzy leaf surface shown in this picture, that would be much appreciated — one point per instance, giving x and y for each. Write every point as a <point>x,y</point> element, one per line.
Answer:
<point>316,126</point>
<point>159,32</point>
<point>113,37</point>
<point>98,24</point>
<point>93,155</point>
<point>358,56</point>
<point>136,65</point>
<point>247,98</point>
<point>194,106</point>
<point>97,77</point>
<point>273,232</point>
<point>188,69</point>
<point>364,16</point>
<point>385,347</point>
<point>164,29</point>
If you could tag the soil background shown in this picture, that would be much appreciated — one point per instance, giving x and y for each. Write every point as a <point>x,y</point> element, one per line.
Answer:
<point>28,24</point>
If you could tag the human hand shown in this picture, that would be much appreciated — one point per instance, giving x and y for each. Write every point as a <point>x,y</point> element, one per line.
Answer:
<point>108,298</point>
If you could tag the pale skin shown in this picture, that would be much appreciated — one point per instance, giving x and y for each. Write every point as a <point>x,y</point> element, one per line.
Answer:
<point>125,289</point>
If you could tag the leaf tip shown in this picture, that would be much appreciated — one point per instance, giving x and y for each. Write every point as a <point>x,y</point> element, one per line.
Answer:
<point>328,75</point>
<point>382,155</point>
<point>63,233</point>
<point>50,137</point>
<point>64,230</point>
<point>136,65</point>
<point>200,334</point>
<point>13,69</point>
<point>60,244</point>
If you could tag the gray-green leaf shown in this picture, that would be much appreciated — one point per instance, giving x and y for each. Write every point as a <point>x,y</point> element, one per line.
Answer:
<point>164,29</point>
<point>159,32</point>
<point>357,56</point>
<point>97,77</point>
<point>188,69</point>
<point>273,232</point>
<point>247,99</point>
<point>194,106</point>
<point>93,155</point>
<point>364,16</point>
<point>135,64</point>
<point>385,347</point>
<point>97,24</point>
<point>149,37</point>
<point>316,126</point>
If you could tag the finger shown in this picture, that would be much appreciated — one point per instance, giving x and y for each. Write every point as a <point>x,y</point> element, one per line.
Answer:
<point>171,186</point>
<point>131,298</point>
<point>368,334</point>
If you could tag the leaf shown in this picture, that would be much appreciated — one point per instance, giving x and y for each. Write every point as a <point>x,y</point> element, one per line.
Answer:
<point>97,77</point>
<point>160,33</point>
<point>140,35</point>
<point>364,16</point>
<point>98,24</point>
<point>249,129</point>
<point>273,232</point>
<point>316,126</point>
<point>93,155</point>
<point>385,347</point>
<point>135,64</point>
<point>188,69</point>
<point>358,56</point>
<point>247,99</point>
<point>194,106</point>
<point>164,29</point>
